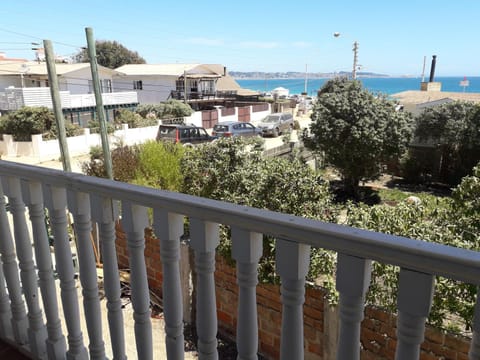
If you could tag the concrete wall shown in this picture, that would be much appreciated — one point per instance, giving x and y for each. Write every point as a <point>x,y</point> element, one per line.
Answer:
<point>155,89</point>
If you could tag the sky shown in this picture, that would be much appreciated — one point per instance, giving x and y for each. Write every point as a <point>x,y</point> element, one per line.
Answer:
<point>394,37</point>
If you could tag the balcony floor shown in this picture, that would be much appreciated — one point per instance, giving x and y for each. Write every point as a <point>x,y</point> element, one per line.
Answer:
<point>9,352</point>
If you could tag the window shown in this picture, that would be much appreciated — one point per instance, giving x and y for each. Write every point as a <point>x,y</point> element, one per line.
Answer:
<point>137,85</point>
<point>106,86</point>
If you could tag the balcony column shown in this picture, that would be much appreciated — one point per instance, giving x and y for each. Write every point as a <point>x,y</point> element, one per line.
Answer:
<point>474,352</point>
<point>33,197</point>
<point>134,222</point>
<point>204,240</point>
<point>5,312</point>
<point>37,333</point>
<point>19,320</point>
<point>56,202</point>
<point>353,279</point>
<point>168,228</point>
<point>292,262</point>
<point>247,250</point>
<point>79,205</point>
<point>414,300</point>
<point>105,212</point>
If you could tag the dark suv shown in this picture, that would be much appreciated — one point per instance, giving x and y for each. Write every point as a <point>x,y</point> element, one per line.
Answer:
<point>184,134</point>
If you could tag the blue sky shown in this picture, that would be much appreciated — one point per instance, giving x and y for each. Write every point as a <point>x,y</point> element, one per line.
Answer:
<point>393,36</point>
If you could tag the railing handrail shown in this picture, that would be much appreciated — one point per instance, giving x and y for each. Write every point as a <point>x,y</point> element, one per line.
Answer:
<point>427,257</point>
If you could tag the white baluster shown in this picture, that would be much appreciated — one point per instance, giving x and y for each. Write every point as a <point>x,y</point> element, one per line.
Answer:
<point>56,201</point>
<point>104,212</point>
<point>5,312</point>
<point>10,268</point>
<point>204,240</point>
<point>474,352</point>
<point>292,262</point>
<point>134,222</point>
<point>37,333</point>
<point>247,250</point>
<point>352,281</point>
<point>168,228</point>
<point>415,296</point>
<point>79,205</point>
<point>33,197</point>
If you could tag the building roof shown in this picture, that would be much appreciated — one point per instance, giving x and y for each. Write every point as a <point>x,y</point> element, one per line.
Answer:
<point>420,97</point>
<point>228,83</point>
<point>35,68</point>
<point>160,69</point>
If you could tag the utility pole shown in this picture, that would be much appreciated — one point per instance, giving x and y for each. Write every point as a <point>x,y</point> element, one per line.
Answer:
<point>355,60</point>
<point>306,81</point>
<point>107,158</point>
<point>57,104</point>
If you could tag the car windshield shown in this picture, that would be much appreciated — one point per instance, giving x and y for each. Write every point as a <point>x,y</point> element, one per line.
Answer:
<point>271,118</point>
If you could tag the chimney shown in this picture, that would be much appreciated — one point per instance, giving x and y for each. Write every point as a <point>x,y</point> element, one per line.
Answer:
<point>432,69</point>
<point>224,71</point>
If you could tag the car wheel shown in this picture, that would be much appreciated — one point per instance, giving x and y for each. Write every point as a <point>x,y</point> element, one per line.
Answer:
<point>276,132</point>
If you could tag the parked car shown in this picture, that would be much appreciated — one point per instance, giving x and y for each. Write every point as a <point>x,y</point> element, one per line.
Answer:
<point>184,134</point>
<point>276,123</point>
<point>235,128</point>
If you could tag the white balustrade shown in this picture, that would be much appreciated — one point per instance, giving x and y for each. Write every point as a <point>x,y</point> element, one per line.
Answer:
<point>19,320</point>
<point>204,240</point>
<point>474,352</point>
<point>168,228</point>
<point>33,197</point>
<point>105,212</point>
<point>5,312</point>
<point>247,250</point>
<point>79,206</point>
<point>292,261</point>
<point>134,222</point>
<point>352,281</point>
<point>415,294</point>
<point>56,203</point>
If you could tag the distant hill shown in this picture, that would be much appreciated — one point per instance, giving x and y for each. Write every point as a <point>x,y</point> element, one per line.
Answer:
<point>297,75</point>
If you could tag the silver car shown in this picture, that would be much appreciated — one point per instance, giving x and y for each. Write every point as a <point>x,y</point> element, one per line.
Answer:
<point>235,128</point>
<point>276,123</point>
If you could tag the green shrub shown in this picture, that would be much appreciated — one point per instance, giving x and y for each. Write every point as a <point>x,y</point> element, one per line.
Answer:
<point>27,121</point>
<point>159,165</point>
<point>94,126</point>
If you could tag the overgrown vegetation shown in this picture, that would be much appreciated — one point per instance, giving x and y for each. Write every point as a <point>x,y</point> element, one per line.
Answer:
<point>111,54</point>
<point>165,110</point>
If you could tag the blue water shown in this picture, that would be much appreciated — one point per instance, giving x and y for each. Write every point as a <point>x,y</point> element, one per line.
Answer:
<point>376,85</point>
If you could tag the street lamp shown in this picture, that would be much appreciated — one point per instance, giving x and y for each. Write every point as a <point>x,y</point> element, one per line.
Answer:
<point>355,56</point>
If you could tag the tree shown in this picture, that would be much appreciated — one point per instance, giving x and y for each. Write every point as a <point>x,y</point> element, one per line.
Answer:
<point>111,54</point>
<point>356,131</point>
<point>454,129</point>
<point>165,110</point>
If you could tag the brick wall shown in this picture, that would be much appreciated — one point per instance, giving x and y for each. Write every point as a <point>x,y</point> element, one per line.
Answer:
<point>378,335</point>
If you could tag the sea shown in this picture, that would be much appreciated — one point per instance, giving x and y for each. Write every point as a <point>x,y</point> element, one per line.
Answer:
<point>384,85</point>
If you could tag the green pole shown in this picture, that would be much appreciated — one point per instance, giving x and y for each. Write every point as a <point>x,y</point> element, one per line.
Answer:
<point>57,104</point>
<point>99,102</point>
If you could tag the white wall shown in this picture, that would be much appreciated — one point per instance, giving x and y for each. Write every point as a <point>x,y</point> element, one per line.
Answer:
<point>155,88</point>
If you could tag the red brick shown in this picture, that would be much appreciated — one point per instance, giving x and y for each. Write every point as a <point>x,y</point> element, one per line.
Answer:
<point>434,335</point>
<point>314,348</point>
<point>457,343</point>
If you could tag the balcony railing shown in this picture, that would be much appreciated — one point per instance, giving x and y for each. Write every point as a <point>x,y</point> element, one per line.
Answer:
<point>93,199</point>
<point>203,95</point>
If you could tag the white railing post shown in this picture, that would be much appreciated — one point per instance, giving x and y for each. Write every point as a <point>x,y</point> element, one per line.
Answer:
<point>247,250</point>
<point>352,281</point>
<point>37,333</point>
<point>5,312</point>
<point>168,228</point>
<point>204,240</point>
<point>56,202</point>
<point>415,294</point>
<point>474,352</point>
<point>33,197</point>
<point>19,320</point>
<point>105,212</point>
<point>79,205</point>
<point>134,222</point>
<point>292,262</point>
